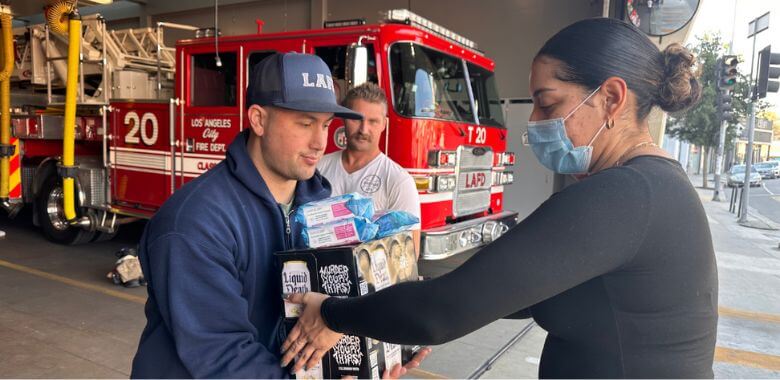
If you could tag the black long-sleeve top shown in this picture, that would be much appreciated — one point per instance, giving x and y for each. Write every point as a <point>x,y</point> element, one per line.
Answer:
<point>618,268</point>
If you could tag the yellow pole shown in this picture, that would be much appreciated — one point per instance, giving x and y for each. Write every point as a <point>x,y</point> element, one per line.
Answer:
<point>5,98</point>
<point>69,128</point>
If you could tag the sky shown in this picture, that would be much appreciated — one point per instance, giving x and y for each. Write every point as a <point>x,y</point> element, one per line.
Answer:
<point>731,17</point>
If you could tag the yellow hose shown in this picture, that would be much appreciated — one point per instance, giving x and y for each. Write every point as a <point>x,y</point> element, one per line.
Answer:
<point>68,142</point>
<point>57,16</point>
<point>5,98</point>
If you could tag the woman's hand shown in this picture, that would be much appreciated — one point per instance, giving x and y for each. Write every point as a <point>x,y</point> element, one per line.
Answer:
<point>310,339</point>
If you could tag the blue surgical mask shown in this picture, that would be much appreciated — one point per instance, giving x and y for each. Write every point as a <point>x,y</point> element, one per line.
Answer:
<point>554,149</point>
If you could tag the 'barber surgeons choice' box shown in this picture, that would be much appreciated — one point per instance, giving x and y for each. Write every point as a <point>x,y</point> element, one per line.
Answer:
<point>351,271</point>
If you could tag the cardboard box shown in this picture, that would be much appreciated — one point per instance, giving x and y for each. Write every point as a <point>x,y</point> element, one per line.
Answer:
<point>351,271</point>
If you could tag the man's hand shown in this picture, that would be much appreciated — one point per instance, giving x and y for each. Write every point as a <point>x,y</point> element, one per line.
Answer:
<point>310,339</point>
<point>399,370</point>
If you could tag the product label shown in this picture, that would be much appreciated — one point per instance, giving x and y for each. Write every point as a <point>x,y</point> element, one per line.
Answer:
<point>335,280</point>
<point>326,213</point>
<point>345,231</point>
<point>340,209</point>
<point>347,353</point>
<point>337,234</point>
<point>295,279</point>
<point>314,373</point>
<point>392,355</point>
<point>379,268</point>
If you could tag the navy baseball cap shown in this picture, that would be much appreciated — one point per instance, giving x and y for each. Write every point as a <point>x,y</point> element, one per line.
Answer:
<point>300,82</point>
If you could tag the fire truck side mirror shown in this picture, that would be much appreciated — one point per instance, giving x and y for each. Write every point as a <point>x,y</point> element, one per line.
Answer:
<point>357,64</point>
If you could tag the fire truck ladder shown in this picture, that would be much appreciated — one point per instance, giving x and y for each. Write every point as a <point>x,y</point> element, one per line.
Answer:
<point>107,52</point>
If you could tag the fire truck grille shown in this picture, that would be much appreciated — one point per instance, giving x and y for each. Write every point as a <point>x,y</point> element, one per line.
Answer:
<point>473,197</point>
<point>472,202</point>
<point>28,174</point>
<point>470,158</point>
<point>97,186</point>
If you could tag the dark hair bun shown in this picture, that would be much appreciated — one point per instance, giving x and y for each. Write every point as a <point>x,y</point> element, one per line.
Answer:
<point>679,88</point>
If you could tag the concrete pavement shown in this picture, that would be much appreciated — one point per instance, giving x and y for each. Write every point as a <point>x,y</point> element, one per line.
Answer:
<point>749,276</point>
<point>748,343</point>
<point>60,317</point>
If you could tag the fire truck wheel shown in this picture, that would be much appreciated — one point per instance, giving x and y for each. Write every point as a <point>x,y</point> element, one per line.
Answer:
<point>52,216</point>
<point>103,236</point>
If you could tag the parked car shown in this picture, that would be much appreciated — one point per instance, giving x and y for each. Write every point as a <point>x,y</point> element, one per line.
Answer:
<point>737,177</point>
<point>769,169</point>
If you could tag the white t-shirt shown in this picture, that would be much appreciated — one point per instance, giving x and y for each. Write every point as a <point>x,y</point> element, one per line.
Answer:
<point>386,182</point>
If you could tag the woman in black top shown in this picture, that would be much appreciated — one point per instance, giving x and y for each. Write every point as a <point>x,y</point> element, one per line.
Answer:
<point>618,268</point>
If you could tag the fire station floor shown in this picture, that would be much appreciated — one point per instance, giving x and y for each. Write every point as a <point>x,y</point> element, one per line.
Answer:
<point>60,317</point>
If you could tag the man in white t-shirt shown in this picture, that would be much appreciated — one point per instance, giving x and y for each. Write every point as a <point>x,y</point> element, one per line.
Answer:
<point>362,167</point>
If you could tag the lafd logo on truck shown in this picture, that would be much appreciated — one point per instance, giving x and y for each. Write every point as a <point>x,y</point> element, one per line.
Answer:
<point>475,180</point>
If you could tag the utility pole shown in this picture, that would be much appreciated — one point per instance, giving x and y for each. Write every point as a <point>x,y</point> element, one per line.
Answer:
<point>755,26</point>
<point>723,126</point>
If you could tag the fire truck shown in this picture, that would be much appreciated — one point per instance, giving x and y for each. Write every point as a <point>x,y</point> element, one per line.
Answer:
<point>149,118</point>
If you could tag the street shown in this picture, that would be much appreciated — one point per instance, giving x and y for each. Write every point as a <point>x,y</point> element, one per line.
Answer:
<point>765,199</point>
<point>57,297</point>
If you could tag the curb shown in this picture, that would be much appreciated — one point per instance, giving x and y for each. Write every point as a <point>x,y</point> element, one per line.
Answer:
<point>760,221</point>
<point>755,214</point>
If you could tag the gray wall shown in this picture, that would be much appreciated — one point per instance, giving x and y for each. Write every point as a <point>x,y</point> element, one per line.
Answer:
<point>509,31</point>
<point>533,182</point>
<point>238,19</point>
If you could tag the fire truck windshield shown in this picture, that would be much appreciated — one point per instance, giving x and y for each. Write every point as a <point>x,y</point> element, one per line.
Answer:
<point>428,83</point>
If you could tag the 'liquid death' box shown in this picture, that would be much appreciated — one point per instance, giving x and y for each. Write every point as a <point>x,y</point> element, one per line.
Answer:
<point>351,271</point>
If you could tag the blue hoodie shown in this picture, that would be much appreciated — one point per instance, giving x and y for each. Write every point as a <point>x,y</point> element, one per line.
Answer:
<point>214,307</point>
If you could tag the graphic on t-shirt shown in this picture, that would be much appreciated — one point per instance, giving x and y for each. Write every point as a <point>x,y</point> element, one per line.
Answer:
<point>370,184</point>
<point>340,137</point>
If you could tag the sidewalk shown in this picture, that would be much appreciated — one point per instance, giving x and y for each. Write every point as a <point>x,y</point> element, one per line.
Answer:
<point>748,344</point>
<point>461,358</point>
<point>748,258</point>
<point>754,220</point>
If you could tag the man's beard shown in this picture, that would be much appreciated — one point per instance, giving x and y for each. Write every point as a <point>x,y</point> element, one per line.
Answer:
<point>356,140</point>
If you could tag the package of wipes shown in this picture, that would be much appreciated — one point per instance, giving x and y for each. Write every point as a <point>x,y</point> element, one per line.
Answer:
<point>343,232</point>
<point>392,222</point>
<point>334,209</point>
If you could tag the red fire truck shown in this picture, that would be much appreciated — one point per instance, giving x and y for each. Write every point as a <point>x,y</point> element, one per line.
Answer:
<point>151,118</point>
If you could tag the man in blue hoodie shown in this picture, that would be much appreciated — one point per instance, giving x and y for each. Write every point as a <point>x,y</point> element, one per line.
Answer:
<point>214,307</point>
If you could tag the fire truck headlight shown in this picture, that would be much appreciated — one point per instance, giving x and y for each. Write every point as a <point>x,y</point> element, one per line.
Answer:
<point>423,183</point>
<point>441,158</point>
<point>509,159</point>
<point>503,178</point>
<point>445,183</point>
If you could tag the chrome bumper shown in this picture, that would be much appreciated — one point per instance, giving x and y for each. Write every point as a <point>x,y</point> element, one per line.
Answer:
<point>446,241</point>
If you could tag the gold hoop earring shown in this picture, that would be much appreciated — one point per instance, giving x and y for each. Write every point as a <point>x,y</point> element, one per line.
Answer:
<point>610,123</point>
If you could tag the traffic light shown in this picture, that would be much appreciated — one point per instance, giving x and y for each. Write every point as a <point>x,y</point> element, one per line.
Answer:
<point>727,78</point>
<point>724,106</point>
<point>727,72</point>
<point>768,69</point>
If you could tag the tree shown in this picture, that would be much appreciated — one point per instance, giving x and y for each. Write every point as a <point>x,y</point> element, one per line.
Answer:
<point>700,125</point>
<point>775,119</point>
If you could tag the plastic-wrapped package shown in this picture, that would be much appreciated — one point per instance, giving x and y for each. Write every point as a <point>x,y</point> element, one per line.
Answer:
<point>347,231</point>
<point>392,222</point>
<point>333,209</point>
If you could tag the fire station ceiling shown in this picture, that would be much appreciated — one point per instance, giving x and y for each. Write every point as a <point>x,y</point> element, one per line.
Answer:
<point>26,8</point>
